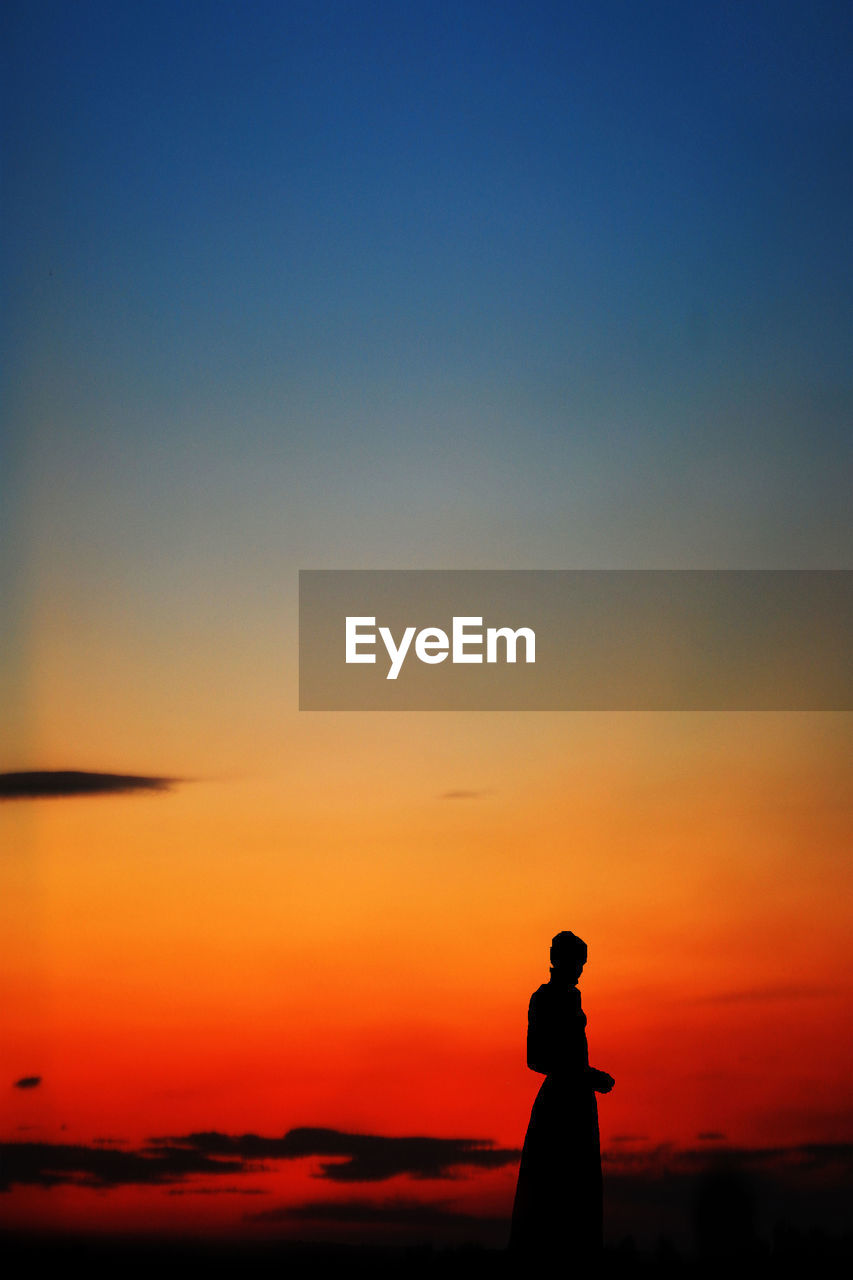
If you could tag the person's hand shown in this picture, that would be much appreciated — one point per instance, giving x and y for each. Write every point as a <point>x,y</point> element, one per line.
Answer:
<point>602,1082</point>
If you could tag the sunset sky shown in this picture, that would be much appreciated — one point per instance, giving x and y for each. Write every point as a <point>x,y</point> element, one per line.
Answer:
<point>560,285</point>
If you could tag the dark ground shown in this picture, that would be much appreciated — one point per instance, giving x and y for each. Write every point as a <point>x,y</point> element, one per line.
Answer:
<point>792,1253</point>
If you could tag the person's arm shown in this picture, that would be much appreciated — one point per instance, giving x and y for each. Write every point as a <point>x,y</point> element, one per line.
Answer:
<point>600,1080</point>
<point>537,1049</point>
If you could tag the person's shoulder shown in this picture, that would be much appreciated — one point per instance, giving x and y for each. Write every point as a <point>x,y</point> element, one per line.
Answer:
<point>540,994</point>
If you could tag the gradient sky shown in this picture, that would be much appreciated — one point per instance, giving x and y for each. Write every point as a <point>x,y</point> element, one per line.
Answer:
<point>410,285</point>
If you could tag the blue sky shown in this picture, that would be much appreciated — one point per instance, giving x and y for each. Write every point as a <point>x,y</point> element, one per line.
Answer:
<point>491,285</point>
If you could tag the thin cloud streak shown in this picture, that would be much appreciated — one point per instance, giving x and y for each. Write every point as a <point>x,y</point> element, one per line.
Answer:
<point>356,1157</point>
<point>45,784</point>
<point>49,1164</point>
<point>788,991</point>
<point>394,1212</point>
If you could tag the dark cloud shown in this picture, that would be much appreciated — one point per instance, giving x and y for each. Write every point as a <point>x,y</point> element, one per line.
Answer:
<point>711,1135</point>
<point>630,1137</point>
<point>47,783</point>
<point>462,795</point>
<point>665,1157</point>
<point>357,1157</point>
<point>654,1192</point>
<point>49,1164</point>
<point>394,1212</point>
<point>650,1190</point>
<point>354,1158</point>
<point>27,1082</point>
<point>648,1193</point>
<point>815,1156</point>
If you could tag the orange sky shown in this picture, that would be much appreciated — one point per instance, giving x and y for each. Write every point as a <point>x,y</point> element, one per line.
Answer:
<point>332,939</point>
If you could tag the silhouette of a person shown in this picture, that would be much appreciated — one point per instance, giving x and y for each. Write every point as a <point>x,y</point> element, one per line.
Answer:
<point>558,1201</point>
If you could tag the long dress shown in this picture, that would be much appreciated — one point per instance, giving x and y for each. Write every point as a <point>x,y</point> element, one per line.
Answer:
<point>558,1202</point>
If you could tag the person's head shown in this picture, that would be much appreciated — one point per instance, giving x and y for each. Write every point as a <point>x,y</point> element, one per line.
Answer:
<point>568,955</point>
